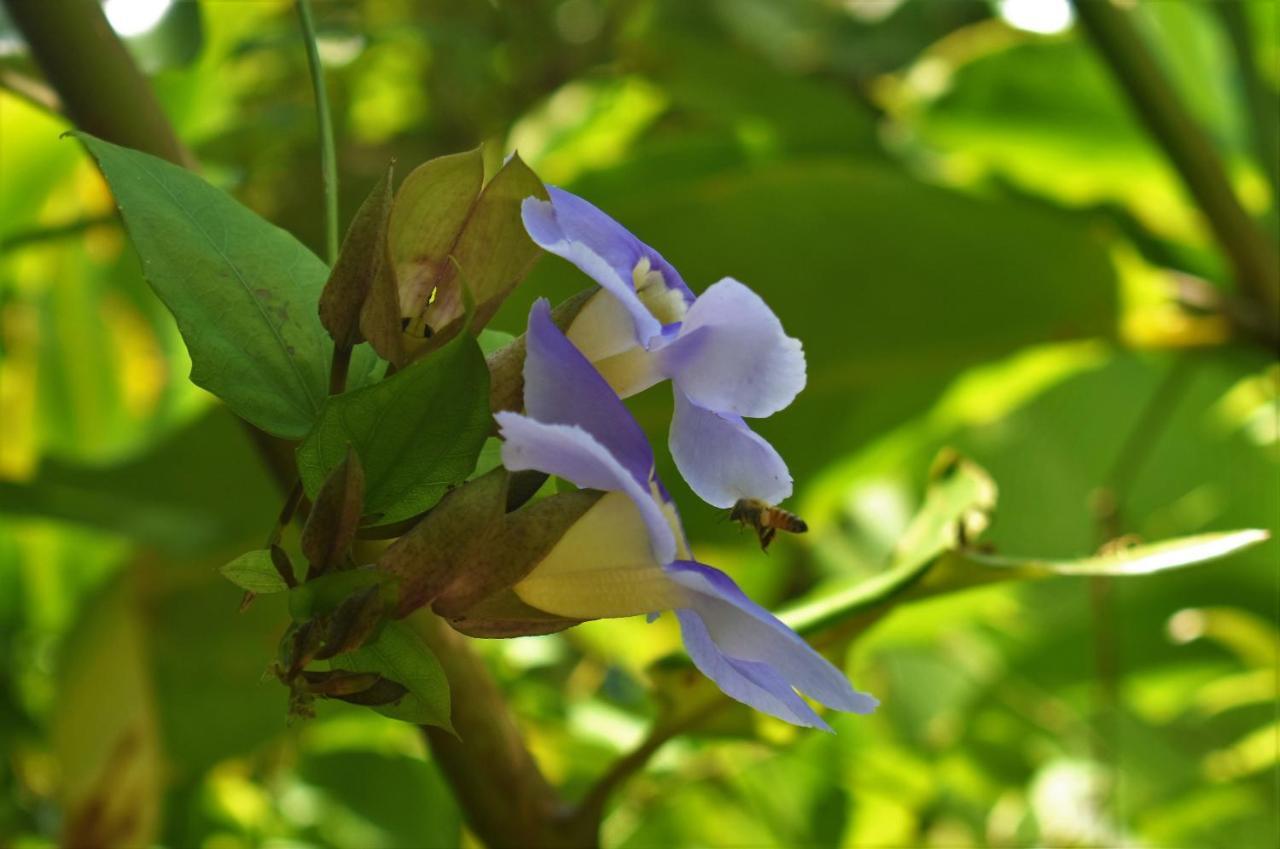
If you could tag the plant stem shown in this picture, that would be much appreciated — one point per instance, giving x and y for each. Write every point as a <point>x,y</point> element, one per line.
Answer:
<point>1253,258</point>
<point>338,369</point>
<point>328,156</point>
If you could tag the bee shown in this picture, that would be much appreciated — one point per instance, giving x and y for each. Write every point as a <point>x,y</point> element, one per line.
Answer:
<point>766,519</point>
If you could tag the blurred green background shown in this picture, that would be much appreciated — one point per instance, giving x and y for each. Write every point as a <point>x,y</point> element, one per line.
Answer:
<point>951,203</point>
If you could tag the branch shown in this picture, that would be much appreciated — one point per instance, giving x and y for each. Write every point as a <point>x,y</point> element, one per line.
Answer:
<point>507,801</point>
<point>1253,258</point>
<point>101,89</point>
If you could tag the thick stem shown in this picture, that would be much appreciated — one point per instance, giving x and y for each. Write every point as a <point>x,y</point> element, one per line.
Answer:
<point>328,154</point>
<point>1252,256</point>
<point>99,86</point>
<point>504,796</point>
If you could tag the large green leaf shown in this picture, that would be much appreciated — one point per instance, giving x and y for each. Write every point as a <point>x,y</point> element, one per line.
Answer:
<point>836,248</point>
<point>244,291</point>
<point>416,433</point>
<point>400,655</point>
<point>373,787</point>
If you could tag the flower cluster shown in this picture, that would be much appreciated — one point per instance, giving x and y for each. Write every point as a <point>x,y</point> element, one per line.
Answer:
<point>727,357</point>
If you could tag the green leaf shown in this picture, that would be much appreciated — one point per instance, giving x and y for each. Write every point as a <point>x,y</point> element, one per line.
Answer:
<point>400,655</point>
<point>372,786</point>
<point>1138,560</point>
<point>254,571</point>
<point>416,433</point>
<point>244,291</point>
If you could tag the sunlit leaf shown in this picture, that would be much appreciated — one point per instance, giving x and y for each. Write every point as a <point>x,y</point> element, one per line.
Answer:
<point>1137,560</point>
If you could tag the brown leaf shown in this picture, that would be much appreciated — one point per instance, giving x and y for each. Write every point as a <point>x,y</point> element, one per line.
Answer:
<point>353,622</point>
<point>505,615</point>
<point>359,265</point>
<point>427,558</point>
<point>335,516</point>
<point>527,536</point>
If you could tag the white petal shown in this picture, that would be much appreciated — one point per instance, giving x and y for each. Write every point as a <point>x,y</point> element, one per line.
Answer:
<point>722,459</point>
<point>733,356</point>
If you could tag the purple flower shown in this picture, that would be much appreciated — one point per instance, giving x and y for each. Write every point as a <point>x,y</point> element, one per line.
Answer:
<point>724,352</point>
<point>628,554</point>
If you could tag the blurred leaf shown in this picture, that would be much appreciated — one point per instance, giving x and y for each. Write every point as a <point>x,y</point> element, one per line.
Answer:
<point>105,732</point>
<point>244,291</point>
<point>256,572</point>
<point>400,655</point>
<point>162,498</point>
<point>378,787</point>
<point>1137,560</point>
<point>416,433</point>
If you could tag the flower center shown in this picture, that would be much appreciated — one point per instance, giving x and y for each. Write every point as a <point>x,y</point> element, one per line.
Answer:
<point>664,303</point>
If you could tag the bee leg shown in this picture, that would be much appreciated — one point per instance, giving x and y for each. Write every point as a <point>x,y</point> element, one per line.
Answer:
<point>766,537</point>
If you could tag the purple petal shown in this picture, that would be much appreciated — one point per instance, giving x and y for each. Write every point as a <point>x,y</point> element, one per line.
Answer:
<point>754,684</point>
<point>607,252</point>
<point>744,630</point>
<point>562,387</point>
<point>722,459</point>
<point>569,452</point>
<point>733,356</point>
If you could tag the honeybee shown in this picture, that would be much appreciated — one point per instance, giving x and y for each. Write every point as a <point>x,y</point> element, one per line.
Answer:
<point>766,519</point>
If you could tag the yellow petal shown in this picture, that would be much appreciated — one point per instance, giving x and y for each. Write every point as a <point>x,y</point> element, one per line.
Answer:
<point>602,568</point>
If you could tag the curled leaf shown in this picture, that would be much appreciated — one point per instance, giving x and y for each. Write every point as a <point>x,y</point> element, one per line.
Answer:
<point>353,622</point>
<point>334,517</point>
<point>359,266</point>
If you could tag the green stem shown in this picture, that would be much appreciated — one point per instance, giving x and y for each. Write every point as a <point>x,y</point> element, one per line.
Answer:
<point>1254,259</point>
<point>328,156</point>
